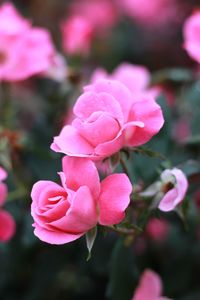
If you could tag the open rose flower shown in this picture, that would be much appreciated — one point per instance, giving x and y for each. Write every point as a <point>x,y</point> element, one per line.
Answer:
<point>7,223</point>
<point>191,35</point>
<point>174,187</point>
<point>150,287</point>
<point>108,118</point>
<point>63,213</point>
<point>135,77</point>
<point>24,50</point>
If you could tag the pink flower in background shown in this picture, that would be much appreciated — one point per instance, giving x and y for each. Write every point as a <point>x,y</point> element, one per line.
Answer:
<point>174,187</point>
<point>107,119</point>
<point>182,130</point>
<point>63,213</point>
<point>136,78</point>
<point>7,226</point>
<point>157,229</point>
<point>102,14</point>
<point>150,13</point>
<point>191,34</point>
<point>150,287</point>
<point>24,50</point>
<point>77,34</point>
<point>7,223</point>
<point>18,25</point>
<point>3,186</point>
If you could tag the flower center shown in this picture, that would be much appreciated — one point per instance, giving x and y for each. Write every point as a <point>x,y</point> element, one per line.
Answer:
<point>3,57</point>
<point>167,187</point>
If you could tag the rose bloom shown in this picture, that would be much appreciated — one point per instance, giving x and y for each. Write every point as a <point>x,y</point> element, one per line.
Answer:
<point>174,188</point>
<point>7,223</point>
<point>135,77</point>
<point>63,213</point>
<point>24,50</point>
<point>108,118</point>
<point>77,35</point>
<point>150,287</point>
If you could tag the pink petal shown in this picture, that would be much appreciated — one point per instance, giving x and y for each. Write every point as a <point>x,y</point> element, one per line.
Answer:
<point>54,237</point>
<point>70,142</point>
<point>117,89</point>
<point>114,199</point>
<point>150,113</point>
<point>181,184</point>
<point>150,287</point>
<point>168,201</point>
<point>82,215</point>
<point>176,195</point>
<point>136,78</point>
<point>7,226</point>
<point>3,193</point>
<point>81,172</point>
<point>94,132</point>
<point>3,174</point>
<point>91,102</point>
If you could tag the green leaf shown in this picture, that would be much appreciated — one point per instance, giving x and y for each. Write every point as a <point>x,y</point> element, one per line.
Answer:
<point>90,239</point>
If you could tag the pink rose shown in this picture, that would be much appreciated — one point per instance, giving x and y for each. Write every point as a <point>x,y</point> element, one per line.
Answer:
<point>77,34</point>
<point>24,50</point>
<point>108,118</point>
<point>135,77</point>
<point>174,187</point>
<point>191,35</point>
<point>7,223</point>
<point>63,213</point>
<point>149,288</point>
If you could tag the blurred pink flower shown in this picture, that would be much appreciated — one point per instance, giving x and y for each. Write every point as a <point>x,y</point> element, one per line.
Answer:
<point>7,226</point>
<point>18,25</point>
<point>191,34</point>
<point>135,77</point>
<point>77,34</point>
<point>182,130</point>
<point>174,187</point>
<point>108,104</point>
<point>64,213</point>
<point>24,50</point>
<point>7,223</point>
<point>150,13</point>
<point>102,14</point>
<point>149,288</point>
<point>3,186</point>
<point>157,229</point>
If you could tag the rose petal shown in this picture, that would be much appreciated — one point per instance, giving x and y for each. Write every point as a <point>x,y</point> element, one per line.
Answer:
<point>81,172</point>
<point>114,199</point>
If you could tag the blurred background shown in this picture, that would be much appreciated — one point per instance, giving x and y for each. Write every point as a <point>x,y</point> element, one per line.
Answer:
<point>33,270</point>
